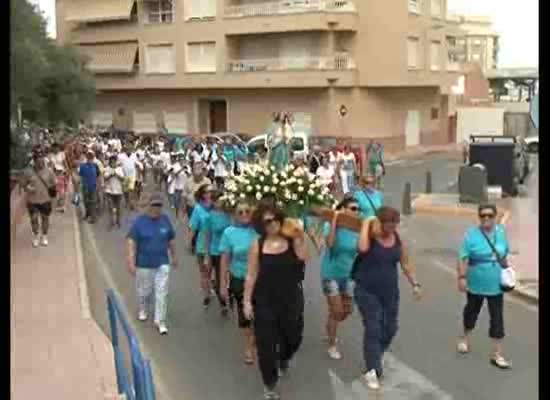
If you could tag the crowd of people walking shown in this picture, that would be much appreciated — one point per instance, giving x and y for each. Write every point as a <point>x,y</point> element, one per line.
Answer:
<point>247,259</point>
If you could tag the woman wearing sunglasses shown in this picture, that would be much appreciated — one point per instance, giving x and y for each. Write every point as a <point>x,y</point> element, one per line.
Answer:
<point>340,251</point>
<point>215,226</point>
<point>479,271</point>
<point>274,286</point>
<point>368,198</point>
<point>198,224</point>
<point>234,246</point>
<point>376,276</point>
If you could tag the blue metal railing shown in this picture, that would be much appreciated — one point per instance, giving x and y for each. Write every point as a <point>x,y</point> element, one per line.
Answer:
<point>139,385</point>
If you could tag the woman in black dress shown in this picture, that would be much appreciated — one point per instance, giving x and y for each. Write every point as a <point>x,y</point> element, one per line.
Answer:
<point>273,295</point>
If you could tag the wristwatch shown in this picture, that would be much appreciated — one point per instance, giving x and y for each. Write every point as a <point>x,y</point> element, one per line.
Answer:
<point>416,285</point>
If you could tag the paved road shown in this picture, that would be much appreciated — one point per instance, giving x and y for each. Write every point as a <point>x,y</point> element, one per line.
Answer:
<point>201,357</point>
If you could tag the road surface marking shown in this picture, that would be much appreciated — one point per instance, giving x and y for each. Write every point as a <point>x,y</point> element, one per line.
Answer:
<point>439,264</point>
<point>401,382</point>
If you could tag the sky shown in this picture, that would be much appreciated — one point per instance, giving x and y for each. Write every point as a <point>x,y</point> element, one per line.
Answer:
<point>516,21</point>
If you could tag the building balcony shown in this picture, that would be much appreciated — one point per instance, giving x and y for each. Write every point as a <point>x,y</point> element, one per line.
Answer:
<point>334,63</point>
<point>292,15</point>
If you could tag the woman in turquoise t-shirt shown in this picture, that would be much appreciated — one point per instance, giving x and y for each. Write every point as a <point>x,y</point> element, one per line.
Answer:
<point>216,223</point>
<point>198,226</point>
<point>234,245</point>
<point>336,264</point>
<point>368,198</point>
<point>479,276</point>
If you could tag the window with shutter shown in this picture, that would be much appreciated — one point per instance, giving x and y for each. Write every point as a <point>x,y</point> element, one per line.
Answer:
<point>435,56</point>
<point>160,59</point>
<point>413,49</point>
<point>415,6</point>
<point>201,9</point>
<point>159,11</point>
<point>201,57</point>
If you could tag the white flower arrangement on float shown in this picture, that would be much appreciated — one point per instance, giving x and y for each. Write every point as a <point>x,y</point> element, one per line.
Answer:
<point>295,190</point>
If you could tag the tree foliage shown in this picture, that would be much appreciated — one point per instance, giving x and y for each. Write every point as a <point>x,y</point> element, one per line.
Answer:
<point>48,81</point>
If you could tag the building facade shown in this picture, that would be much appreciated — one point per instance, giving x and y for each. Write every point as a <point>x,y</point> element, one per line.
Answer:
<point>480,41</point>
<point>203,66</point>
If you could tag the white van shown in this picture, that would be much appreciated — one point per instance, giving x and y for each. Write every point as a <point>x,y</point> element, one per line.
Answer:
<point>299,144</point>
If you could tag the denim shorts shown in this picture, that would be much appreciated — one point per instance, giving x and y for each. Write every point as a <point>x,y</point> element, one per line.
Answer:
<point>337,287</point>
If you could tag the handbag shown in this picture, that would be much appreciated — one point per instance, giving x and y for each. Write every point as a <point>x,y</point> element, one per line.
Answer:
<point>507,274</point>
<point>52,191</point>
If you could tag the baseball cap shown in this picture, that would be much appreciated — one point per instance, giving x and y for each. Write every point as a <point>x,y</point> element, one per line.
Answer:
<point>156,199</point>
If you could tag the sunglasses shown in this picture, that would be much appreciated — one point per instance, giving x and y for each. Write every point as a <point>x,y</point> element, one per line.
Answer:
<point>487,216</point>
<point>243,211</point>
<point>268,221</point>
<point>353,208</point>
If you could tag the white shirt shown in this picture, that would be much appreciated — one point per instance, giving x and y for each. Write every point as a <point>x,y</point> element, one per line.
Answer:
<point>196,156</point>
<point>347,160</point>
<point>160,145</point>
<point>164,157</point>
<point>220,167</point>
<point>325,174</point>
<point>59,161</point>
<point>113,185</point>
<point>180,180</point>
<point>128,164</point>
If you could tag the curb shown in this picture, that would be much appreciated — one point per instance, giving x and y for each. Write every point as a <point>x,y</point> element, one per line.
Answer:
<point>82,283</point>
<point>527,297</point>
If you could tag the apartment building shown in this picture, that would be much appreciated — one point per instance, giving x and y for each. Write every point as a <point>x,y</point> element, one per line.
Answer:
<point>480,41</point>
<point>202,66</point>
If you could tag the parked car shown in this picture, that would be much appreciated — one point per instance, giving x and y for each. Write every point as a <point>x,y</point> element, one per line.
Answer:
<point>532,143</point>
<point>299,144</point>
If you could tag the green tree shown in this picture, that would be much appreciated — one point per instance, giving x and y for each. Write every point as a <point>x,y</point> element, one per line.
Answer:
<point>48,81</point>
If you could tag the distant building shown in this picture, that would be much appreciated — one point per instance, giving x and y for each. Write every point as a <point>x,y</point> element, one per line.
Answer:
<point>481,41</point>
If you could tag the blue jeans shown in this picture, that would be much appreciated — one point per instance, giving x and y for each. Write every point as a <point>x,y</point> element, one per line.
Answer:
<point>379,313</point>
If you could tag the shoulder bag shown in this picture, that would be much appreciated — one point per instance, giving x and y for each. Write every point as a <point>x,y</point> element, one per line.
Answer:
<point>507,274</point>
<point>52,191</point>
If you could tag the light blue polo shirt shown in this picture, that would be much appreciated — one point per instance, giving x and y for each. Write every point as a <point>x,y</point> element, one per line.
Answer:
<point>217,222</point>
<point>483,272</point>
<point>235,242</point>
<point>337,261</point>
<point>365,208</point>
<point>198,223</point>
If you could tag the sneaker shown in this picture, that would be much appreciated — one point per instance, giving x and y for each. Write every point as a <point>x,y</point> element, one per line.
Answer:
<point>163,330</point>
<point>372,380</point>
<point>462,347</point>
<point>44,241</point>
<point>206,302</point>
<point>271,393</point>
<point>142,316</point>
<point>283,368</point>
<point>36,241</point>
<point>334,353</point>
<point>500,362</point>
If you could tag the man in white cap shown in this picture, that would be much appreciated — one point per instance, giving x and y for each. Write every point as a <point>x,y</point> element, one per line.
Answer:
<point>151,253</point>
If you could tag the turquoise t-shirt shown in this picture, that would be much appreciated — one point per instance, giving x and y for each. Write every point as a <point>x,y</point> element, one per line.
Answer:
<point>216,224</point>
<point>235,242</point>
<point>337,261</point>
<point>483,272</point>
<point>198,223</point>
<point>365,208</point>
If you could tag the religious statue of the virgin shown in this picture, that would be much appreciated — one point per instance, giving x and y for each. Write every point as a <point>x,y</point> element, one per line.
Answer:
<point>278,139</point>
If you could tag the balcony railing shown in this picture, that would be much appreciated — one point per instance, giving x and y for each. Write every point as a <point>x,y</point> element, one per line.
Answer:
<point>289,7</point>
<point>340,62</point>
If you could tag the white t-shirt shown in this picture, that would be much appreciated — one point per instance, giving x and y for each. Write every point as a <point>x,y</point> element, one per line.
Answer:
<point>160,145</point>
<point>59,161</point>
<point>180,180</point>
<point>325,174</point>
<point>113,185</point>
<point>220,167</point>
<point>196,156</point>
<point>165,159</point>
<point>128,164</point>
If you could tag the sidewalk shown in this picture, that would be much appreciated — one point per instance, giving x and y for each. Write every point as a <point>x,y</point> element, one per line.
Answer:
<point>453,149</point>
<point>57,350</point>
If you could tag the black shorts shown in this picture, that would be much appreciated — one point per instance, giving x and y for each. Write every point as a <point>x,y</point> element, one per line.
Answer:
<point>114,199</point>
<point>236,291</point>
<point>44,209</point>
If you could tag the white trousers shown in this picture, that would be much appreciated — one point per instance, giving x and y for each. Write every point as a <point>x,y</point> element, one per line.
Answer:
<point>149,280</point>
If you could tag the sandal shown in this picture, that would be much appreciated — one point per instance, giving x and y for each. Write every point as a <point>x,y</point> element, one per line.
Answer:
<point>249,358</point>
<point>500,362</point>
<point>462,347</point>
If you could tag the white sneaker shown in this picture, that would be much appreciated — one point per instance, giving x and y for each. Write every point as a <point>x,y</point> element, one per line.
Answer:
<point>334,353</point>
<point>142,316</point>
<point>372,380</point>
<point>163,330</point>
<point>36,241</point>
<point>44,241</point>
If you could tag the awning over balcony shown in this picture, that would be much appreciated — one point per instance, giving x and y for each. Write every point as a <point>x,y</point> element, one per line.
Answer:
<point>110,58</point>
<point>99,10</point>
